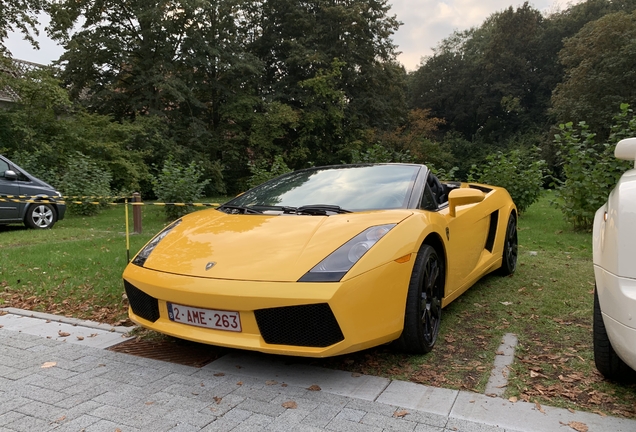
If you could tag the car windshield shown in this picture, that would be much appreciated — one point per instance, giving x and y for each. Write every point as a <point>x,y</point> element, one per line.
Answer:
<point>334,188</point>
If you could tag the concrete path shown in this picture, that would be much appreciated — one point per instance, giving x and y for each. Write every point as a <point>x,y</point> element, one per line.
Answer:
<point>61,383</point>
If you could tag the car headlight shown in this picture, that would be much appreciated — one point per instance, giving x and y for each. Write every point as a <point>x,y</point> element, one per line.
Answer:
<point>143,255</point>
<point>339,262</point>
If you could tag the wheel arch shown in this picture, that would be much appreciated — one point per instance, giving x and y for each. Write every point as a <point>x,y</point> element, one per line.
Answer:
<point>435,241</point>
<point>39,201</point>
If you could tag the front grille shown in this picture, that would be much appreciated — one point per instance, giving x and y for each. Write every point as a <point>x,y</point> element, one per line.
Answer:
<point>141,303</point>
<point>308,325</point>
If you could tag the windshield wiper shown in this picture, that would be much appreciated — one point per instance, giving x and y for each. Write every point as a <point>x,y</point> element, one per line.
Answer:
<point>237,209</point>
<point>320,209</point>
<point>312,209</point>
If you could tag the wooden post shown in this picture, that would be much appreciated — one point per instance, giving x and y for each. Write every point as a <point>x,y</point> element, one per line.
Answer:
<point>136,213</point>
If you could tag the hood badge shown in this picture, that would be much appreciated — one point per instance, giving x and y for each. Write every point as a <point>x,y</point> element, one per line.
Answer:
<point>209,265</point>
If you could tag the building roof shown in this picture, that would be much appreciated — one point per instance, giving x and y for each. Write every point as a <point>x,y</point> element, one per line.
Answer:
<point>15,68</point>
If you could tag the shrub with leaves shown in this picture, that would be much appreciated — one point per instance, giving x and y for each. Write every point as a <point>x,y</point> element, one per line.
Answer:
<point>83,177</point>
<point>590,168</point>
<point>521,175</point>
<point>444,174</point>
<point>177,183</point>
<point>378,153</point>
<point>263,171</point>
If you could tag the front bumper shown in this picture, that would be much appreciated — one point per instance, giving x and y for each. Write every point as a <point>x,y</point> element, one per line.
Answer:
<point>617,297</point>
<point>366,311</point>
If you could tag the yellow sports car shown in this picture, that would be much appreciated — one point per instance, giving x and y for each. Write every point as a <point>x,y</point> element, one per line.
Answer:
<point>324,261</point>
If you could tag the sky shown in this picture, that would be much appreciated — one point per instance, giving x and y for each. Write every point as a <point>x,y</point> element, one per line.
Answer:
<point>425,24</point>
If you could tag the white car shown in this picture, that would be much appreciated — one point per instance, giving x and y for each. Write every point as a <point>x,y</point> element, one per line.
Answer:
<point>614,248</point>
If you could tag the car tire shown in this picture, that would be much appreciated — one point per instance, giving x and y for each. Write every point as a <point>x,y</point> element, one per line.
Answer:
<point>607,361</point>
<point>40,216</point>
<point>510,250</point>
<point>423,313</point>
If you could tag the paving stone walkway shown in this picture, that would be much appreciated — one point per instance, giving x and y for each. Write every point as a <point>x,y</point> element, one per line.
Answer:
<point>52,385</point>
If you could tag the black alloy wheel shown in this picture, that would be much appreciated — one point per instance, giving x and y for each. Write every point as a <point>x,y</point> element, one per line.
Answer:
<point>423,313</point>
<point>511,245</point>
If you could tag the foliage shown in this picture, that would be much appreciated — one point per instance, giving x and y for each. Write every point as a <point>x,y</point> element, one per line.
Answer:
<point>590,168</point>
<point>263,171</point>
<point>377,153</point>
<point>489,81</point>
<point>177,183</point>
<point>599,72</point>
<point>496,80</point>
<point>521,175</point>
<point>46,130</point>
<point>445,174</point>
<point>22,16</point>
<point>30,161</point>
<point>83,177</point>
<point>249,81</point>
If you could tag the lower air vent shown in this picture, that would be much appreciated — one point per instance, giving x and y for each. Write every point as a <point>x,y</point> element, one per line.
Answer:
<point>308,325</point>
<point>142,304</point>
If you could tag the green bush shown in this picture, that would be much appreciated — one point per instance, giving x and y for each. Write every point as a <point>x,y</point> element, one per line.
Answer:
<point>590,168</point>
<point>261,173</point>
<point>178,184</point>
<point>30,161</point>
<point>521,175</point>
<point>83,177</point>
<point>378,153</point>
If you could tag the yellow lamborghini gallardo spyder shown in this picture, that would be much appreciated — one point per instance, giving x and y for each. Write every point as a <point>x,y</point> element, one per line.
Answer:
<point>324,261</point>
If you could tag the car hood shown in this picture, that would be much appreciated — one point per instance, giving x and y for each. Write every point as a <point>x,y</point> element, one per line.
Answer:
<point>258,247</point>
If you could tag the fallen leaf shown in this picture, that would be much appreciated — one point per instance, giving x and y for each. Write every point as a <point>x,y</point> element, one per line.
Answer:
<point>290,405</point>
<point>571,410</point>
<point>513,399</point>
<point>314,387</point>
<point>356,375</point>
<point>63,334</point>
<point>239,383</point>
<point>80,337</point>
<point>61,419</point>
<point>93,335</point>
<point>149,403</point>
<point>471,401</point>
<point>48,365</point>
<point>271,382</point>
<point>600,413</point>
<point>217,399</point>
<point>400,414</point>
<point>538,406</point>
<point>578,426</point>
<point>218,374</point>
<point>283,385</point>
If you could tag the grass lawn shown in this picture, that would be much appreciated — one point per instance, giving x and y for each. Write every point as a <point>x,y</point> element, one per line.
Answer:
<point>75,269</point>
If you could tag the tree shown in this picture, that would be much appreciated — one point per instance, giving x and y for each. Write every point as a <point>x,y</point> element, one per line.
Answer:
<point>600,72</point>
<point>20,15</point>
<point>487,82</point>
<point>300,42</point>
